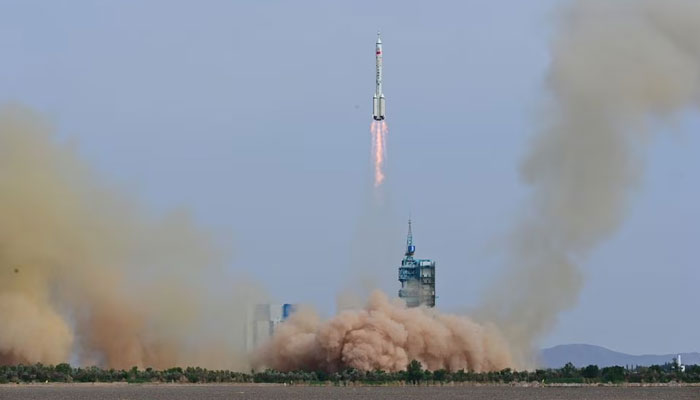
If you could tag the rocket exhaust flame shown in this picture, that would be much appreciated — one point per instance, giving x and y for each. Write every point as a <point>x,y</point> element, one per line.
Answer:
<point>379,131</point>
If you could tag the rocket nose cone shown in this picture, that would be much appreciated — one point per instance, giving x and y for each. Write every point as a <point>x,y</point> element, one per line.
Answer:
<point>379,39</point>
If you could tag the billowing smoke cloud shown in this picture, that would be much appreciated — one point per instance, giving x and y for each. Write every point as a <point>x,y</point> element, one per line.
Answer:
<point>617,67</point>
<point>386,336</point>
<point>86,273</point>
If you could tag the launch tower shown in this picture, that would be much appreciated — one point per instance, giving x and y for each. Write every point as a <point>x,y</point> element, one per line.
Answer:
<point>417,277</point>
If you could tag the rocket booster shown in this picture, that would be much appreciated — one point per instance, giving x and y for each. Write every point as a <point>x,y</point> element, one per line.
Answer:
<point>378,102</point>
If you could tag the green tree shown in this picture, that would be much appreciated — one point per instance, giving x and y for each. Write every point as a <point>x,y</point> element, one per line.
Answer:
<point>569,371</point>
<point>591,372</point>
<point>414,372</point>
<point>64,368</point>
<point>613,374</point>
<point>440,375</point>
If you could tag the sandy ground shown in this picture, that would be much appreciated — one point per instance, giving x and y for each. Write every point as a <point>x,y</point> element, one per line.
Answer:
<point>225,391</point>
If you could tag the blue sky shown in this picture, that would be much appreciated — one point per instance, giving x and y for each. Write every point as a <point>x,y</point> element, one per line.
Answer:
<point>255,116</point>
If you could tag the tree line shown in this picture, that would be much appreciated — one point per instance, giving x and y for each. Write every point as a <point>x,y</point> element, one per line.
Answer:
<point>414,374</point>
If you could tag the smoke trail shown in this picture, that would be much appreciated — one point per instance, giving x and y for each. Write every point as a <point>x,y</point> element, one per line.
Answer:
<point>384,336</point>
<point>617,67</point>
<point>379,131</point>
<point>85,272</point>
<point>374,244</point>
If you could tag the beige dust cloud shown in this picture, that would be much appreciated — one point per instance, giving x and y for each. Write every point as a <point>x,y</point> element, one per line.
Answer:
<point>384,335</point>
<point>86,272</point>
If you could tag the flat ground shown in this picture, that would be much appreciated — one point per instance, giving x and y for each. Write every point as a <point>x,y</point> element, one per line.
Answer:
<point>223,391</point>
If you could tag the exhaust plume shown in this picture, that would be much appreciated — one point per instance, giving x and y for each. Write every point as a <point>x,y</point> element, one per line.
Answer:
<point>386,336</point>
<point>617,67</point>
<point>379,131</point>
<point>87,274</point>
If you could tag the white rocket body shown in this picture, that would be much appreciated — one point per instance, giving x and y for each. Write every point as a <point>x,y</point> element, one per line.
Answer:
<point>378,101</point>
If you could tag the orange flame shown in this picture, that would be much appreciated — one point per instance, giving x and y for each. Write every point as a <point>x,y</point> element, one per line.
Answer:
<point>379,131</point>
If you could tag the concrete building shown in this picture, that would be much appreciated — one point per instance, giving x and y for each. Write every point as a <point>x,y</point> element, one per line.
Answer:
<point>262,320</point>
<point>417,277</point>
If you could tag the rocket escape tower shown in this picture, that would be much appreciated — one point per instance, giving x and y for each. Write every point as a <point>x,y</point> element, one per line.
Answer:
<point>417,277</point>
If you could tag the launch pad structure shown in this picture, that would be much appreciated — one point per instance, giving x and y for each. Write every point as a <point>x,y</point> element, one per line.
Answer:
<point>417,276</point>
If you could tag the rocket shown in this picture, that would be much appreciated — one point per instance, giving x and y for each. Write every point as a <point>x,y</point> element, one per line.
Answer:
<point>378,102</point>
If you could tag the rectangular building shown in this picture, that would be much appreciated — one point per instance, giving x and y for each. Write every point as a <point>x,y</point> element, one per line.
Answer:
<point>262,320</point>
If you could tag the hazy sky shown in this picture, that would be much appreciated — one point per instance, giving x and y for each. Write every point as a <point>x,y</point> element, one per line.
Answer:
<point>255,116</point>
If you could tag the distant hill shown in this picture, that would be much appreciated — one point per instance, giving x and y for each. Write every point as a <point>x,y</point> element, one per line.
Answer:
<point>582,355</point>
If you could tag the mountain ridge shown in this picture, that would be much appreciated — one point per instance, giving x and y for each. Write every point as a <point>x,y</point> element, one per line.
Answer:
<point>582,355</point>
